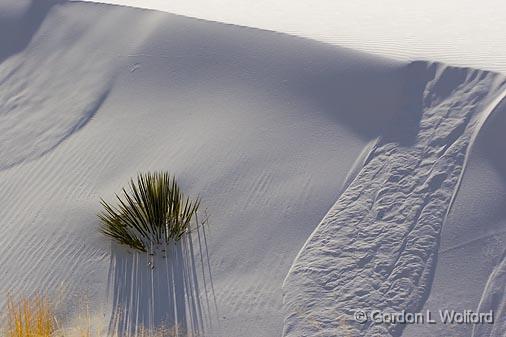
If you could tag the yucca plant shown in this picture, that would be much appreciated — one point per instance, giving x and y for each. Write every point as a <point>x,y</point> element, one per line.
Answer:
<point>153,211</point>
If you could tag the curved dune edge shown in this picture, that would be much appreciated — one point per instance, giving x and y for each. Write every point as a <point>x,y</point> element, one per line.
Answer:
<point>473,238</point>
<point>377,246</point>
<point>494,299</point>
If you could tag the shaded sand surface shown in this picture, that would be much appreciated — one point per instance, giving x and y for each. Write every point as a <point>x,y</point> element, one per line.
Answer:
<point>270,130</point>
<point>263,126</point>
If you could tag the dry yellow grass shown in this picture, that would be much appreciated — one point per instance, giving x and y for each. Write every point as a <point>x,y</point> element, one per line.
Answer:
<point>35,317</point>
<point>30,318</point>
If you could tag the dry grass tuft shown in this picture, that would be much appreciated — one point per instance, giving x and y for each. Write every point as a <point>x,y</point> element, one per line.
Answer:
<point>30,318</point>
<point>35,317</point>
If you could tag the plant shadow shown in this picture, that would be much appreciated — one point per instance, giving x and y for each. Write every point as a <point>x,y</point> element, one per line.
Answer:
<point>171,289</point>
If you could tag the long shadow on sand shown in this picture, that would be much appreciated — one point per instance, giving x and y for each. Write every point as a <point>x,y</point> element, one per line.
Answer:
<point>16,33</point>
<point>171,289</point>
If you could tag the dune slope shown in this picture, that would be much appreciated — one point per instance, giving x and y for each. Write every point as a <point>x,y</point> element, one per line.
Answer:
<point>376,249</point>
<point>269,130</point>
<point>263,126</point>
<point>471,252</point>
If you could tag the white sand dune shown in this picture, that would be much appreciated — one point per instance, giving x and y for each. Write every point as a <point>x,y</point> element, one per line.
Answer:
<point>376,249</point>
<point>270,130</point>
<point>461,32</point>
<point>471,253</point>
